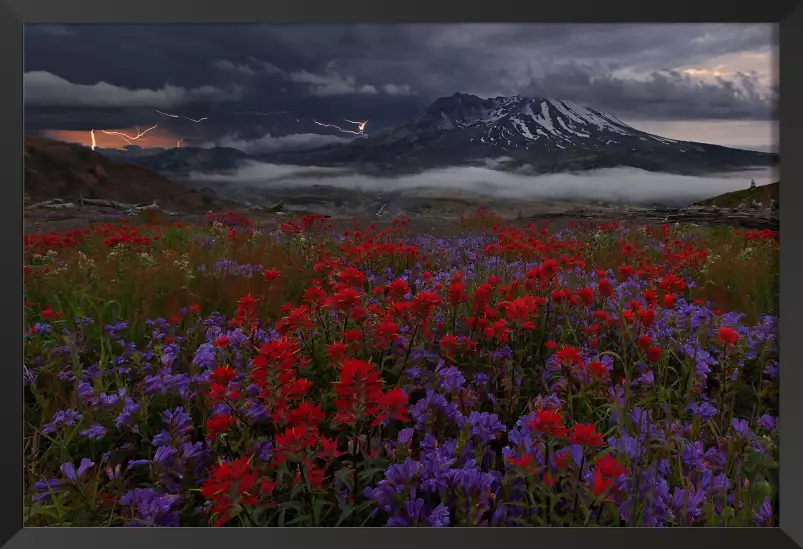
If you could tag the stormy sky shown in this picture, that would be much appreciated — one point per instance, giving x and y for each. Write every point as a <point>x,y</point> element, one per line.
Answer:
<point>264,88</point>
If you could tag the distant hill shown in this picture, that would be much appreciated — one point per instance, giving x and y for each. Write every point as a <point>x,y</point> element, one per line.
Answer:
<point>181,161</point>
<point>762,195</point>
<point>54,169</point>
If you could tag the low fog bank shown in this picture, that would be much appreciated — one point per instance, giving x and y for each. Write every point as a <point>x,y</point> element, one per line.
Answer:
<point>272,144</point>
<point>615,185</point>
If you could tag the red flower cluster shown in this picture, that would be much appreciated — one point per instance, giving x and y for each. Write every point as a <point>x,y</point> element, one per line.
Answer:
<point>606,471</point>
<point>229,219</point>
<point>360,397</point>
<point>231,486</point>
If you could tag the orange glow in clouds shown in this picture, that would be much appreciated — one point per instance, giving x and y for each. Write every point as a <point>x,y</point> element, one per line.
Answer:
<point>155,138</point>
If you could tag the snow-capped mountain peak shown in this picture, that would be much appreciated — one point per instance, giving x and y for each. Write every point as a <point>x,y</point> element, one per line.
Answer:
<point>543,134</point>
<point>510,123</point>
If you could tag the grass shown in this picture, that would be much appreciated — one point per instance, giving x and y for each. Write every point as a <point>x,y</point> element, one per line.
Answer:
<point>763,195</point>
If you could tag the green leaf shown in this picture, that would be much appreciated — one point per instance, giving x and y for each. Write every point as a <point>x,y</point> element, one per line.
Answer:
<point>369,473</point>
<point>348,510</point>
<point>752,462</point>
<point>317,508</point>
<point>40,510</point>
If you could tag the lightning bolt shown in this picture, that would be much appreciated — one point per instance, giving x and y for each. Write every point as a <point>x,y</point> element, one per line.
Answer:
<point>129,138</point>
<point>182,116</point>
<point>178,144</point>
<point>360,125</point>
<point>92,135</point>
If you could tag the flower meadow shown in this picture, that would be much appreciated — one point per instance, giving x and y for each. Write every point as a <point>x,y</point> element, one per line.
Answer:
<point>232,373</point>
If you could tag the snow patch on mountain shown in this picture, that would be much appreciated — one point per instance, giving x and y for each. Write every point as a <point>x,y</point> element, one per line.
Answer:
<point>599,121</point>
<point>522,127</point>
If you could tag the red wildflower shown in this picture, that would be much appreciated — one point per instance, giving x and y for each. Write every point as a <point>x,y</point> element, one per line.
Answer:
<point>597,370</point>
<point>562,458</point>
<point>336,351</point>
<point>654,354</point>
<point>218,425</point>
<point>559,296</point>
<point>385,333</point>
<point>247,301</point>
<point>398,289</point>
<point>344,300</point>
<point>297,319</point>
<point>673,283</point>
<point>482,295</point>
<point>521,310</point>
<point>585,434</point>
<point>448,345</point>
<point>392,407</point>
<point>625,272</point>
<point>222,341</point>
<point>358,390</point>
<point>498,330</point>
<point>644,342</point>
<point>424,303</point>
<point>229,487</point>
<point>315,296</point>
<point>609,467</point>
<point>604,287</point>
<point>568,356</point>
<point>270,275</point>
<point>587,295</point>
<point>548,422</point>
<point>353,336</point>
<point>328,449</point>
<point>727,336</point>
<point>629,315</point>
<point>646,317</point>
<point>306,415</point>
<point>456,293</point>
<point>223,375</point>
<point>314,475</point>
<point>599,484</point>
<point>351,277</point>
<point>549,267</point>
<point>293,443</point>
<point>523,462</point>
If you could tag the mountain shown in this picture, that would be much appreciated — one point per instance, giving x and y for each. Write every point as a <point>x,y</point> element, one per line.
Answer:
<point>181,161</point>
<point>534,135</point>
<point>55,169</point>
<point>129,151</point>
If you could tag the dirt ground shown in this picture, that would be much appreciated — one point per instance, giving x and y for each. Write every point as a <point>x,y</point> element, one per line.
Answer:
<point>429,217</point>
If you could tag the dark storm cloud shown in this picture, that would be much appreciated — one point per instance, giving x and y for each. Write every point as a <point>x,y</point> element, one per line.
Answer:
<point>666,95</point>
<point>47,89</point>
<point>384,73</point>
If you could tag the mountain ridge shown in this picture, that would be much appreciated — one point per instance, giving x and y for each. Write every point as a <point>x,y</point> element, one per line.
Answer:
<point>536,135</point>
<point>526,135</point>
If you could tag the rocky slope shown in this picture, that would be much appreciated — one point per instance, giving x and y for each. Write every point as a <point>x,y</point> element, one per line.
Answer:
<point>54,169</point>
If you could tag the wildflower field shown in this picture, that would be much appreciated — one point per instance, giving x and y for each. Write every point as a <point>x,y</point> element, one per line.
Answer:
<point>224,373</point>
